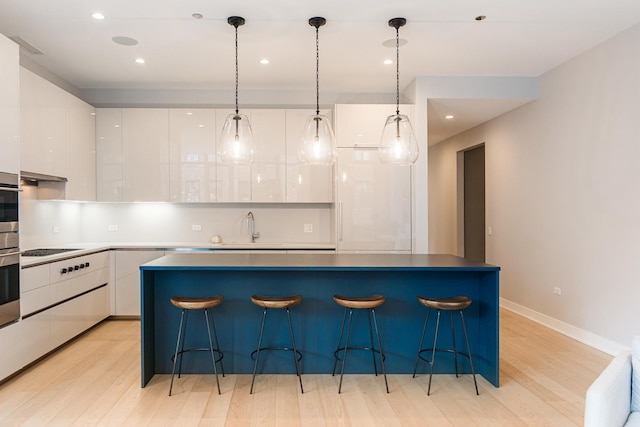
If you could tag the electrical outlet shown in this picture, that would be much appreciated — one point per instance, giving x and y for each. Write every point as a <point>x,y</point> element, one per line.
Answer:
<point>196,227</point>
<point>55,229</point>
<point>112,227</point>
<point>308,228</point>
<point>557,291</point>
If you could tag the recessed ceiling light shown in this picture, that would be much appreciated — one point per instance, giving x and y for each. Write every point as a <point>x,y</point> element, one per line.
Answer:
<point>480,18</point>
<point>97,15</point>
<point>197,16</point>
<point>140,60</point>
<point>388,62</point>
<point>189,113</point>
<point>124,40</point>
<point>200,126</point>
<point>264,61</point>
<point>449,116</point>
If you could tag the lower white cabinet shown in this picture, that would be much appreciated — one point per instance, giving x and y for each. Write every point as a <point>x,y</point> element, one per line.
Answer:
<point>10,360</point>
<point>59,301</point>
<point>36,333</point>
<point>127,279</point>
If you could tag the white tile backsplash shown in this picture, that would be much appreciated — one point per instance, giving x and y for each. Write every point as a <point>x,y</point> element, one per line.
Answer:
<point>170,222</point>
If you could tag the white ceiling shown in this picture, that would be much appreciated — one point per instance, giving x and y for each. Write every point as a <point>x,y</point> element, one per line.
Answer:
<point>518,38</point>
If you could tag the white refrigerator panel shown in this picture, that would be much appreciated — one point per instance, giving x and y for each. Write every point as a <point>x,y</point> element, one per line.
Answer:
<point>374,203</point>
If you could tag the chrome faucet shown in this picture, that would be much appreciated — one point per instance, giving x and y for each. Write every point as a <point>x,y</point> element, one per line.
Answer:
<point>251,222</point>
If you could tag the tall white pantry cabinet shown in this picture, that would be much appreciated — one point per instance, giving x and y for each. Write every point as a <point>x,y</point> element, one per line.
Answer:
<point>10,335</point>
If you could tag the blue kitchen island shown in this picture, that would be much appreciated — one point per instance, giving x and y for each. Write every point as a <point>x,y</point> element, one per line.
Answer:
<point>316,321</point>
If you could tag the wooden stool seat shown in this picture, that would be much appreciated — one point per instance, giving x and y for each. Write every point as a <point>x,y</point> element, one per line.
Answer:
<point>196,303</point>
<point>277,301</point>
<point>367,302</point>
<point>448,304</point>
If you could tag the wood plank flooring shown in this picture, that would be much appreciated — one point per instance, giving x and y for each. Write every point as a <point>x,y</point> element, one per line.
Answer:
<point>95,381</point>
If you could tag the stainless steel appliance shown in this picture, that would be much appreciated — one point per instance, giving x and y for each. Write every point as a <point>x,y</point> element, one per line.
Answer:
<point>9,250</point>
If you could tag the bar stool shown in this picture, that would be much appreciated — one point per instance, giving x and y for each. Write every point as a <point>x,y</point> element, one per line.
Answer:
<point>447,304</point>
<point>205,304</point>
<point>370,303</point>
<point>277,302</point>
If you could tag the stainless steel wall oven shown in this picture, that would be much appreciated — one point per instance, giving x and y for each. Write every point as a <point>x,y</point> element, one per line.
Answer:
<point>9,250</point>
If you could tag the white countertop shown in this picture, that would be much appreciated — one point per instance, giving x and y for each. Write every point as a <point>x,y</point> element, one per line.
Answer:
<point>87,248</point>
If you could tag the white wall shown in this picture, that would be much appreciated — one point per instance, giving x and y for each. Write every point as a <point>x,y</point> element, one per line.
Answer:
<point>562,193</point>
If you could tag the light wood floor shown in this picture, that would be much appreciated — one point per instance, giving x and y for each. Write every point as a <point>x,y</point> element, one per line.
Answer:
<point>96,381</point>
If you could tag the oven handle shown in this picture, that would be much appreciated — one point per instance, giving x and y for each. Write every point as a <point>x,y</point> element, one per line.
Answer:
<point>15,190</point>
<point>9,259</point>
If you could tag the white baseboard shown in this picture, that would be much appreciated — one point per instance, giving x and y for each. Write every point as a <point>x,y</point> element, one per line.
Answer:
<point>585,337</point>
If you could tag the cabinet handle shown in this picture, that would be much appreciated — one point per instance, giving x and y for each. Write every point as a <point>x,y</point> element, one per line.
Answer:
<point>63,271</point>
<point>340,221</point>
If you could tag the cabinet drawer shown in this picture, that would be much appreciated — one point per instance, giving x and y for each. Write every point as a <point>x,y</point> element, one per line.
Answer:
<point>35,300</point>
<point>34,277</point>
<point>79,266</point>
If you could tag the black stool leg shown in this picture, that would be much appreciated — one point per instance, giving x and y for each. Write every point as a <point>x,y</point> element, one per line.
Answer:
<point>255,366</point>
<point>384,371</point>
<point>184,339</point>
<point>213,356</point>
<point>215,336</point>
<point>175,356</point>
<point>424,330</point>
<point>453,342</point>
<point>466,338</point>
<point>335,361</point>
<point>373,347</point>
<point>433,352</point>
<point>346,345</point>
<point>295,351</point>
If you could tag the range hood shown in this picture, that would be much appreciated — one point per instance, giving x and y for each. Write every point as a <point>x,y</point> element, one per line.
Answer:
<point>33,178</point>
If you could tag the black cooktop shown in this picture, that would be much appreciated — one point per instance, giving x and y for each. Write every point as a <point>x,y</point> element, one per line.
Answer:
<point>46,252</point>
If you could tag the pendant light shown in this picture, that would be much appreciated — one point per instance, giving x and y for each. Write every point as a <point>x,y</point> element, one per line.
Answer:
<point>236,142</point>
<point>398,145</point>
<point>318,141</point>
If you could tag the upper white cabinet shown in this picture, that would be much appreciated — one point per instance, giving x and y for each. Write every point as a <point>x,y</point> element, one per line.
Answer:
<point>81,150</point>
<point>145,154</point>
<point>109,152</point>
<point>305,183</point>
<point>359,125</point>
<point>268,172</point>
<point>9,107</point>
<point>374,203</point>
<point>192,155</point>
<point>233,181</point>
<point>43,145</point>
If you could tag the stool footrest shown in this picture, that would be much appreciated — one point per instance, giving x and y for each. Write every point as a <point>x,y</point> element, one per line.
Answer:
<point>336,353</point>
<point>254,352</point>
<point>189,350</point>
<point>441,350</point>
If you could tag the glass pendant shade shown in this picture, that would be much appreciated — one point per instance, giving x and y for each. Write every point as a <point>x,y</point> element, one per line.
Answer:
<point>318,142</point>
<point>398,145</point>
<point>236,141</point>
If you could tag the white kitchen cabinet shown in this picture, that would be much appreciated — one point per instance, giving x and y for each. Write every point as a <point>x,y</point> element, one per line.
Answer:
<point>233,181</point>
<point>268,172</point>
<point>9,106</point>
<point>128,279</point>
<point>374,203</point>
<point>36,336</point>
<point>109,167</point>
<point>145,153</point>
<point>77,315</point>
<point>10,356</point>
<point>361,125</point>
<point>305,183</point>
<point>192,155</point>
<point>43,144</point>
<point>81,150</point>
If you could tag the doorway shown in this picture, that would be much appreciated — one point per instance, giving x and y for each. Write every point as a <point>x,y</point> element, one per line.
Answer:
<point>473,200</point>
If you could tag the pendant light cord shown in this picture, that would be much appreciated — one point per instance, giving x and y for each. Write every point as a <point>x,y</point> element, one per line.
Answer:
<point>317,73</point>
<point>397,71</point>
<point>237,110</point>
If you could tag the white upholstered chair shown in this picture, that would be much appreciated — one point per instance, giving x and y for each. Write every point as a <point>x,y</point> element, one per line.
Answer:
<point>614,397</point>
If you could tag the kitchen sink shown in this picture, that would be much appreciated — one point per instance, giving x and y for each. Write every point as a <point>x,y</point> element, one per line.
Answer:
<point>46,252</point>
